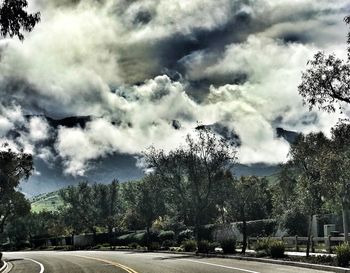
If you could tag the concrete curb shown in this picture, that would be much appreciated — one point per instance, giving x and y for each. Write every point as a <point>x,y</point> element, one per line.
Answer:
<point>4,266</point>
<point>261,260</point>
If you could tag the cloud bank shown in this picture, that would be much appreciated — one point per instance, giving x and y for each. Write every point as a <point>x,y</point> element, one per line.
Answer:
<point>136,67</point>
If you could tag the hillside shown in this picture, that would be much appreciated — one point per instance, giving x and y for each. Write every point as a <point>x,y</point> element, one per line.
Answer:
<point>48,201</point>
<point>52,201</point>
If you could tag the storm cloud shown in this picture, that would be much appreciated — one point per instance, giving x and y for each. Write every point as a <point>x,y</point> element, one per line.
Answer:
<point>136,67</point>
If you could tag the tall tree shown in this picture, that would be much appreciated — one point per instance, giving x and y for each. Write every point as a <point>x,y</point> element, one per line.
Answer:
<point>14,18</point>
<point>335,171</point>
<point>305,156</point>
<point>14,168</point>
<point>326,81</point>
<point>150,201</point>
<point>80,207</point>
<point>192,172</point>
<point>250,200</point>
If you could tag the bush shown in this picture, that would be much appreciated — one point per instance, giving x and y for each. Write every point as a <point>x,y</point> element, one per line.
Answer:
<point>262,245</point>
<point>134,245</point>
<point>228,246</point>
<point>139,238</point>
<point>343,254</point>
<point>166,235</point>
<point>167,244</point>
<point>154,246</point>
<point>203,246</point>
<point>189,245</point>
<point>184,235</point>
<point>276,249</point>
<point>206,232</point>
<point>212,246</point>
<point>0,256</point>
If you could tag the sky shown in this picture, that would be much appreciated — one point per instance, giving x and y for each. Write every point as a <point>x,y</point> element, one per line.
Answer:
<point>137,67</point>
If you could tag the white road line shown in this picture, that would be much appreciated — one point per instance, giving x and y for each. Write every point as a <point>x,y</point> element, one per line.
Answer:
<point>42,269</point>
<point>3,267</point>
<point>222,266</point>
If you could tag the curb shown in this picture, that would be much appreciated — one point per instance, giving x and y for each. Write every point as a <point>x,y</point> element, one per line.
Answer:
<point>261,260</point>
<point>3,268</point>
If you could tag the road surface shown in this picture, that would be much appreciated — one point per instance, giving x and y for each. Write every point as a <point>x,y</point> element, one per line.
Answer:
<point>131,262</point>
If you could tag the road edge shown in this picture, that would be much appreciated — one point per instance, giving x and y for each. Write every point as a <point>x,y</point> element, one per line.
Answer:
<point>262,260</point>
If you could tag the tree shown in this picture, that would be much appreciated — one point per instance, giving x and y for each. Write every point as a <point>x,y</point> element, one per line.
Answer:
<point>191,173</point>
<point>13,205</point>
<point>108,204</point>
<point>88,207</point>
<point>285,202</point>
<point>80,208</point>
<point>305,156</point>
<point>335,170</point>
<point>326,81</point>
<point>150,203</point>
<point>14,167</point>
<point>14,18</point>
<point>250,200</point>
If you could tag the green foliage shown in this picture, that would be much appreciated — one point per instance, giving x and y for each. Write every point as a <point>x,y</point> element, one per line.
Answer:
<point>167,244</point>
<point>138,238</point>
<point>203,246</point>
<point>276,249</point>
<point>262,245</point>
<point>189,245</point>
<point>184,235</point>
<point>228,246</point>
<point>193,174</point>
<point>166,235</point>
<point>213,245</point>
<point>86,207</point>
<point>134,245</point>
<point>14,18</point>
<point>14,168</point>
<point>206,232</point>
<point>262,228</point>
<point>153,246</point>
<point>343,254</point>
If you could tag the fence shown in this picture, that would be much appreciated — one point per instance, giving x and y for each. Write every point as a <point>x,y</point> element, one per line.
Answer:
<point>324,244</point>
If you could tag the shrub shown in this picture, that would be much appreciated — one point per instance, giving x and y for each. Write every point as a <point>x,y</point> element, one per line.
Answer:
<point>262,245</point>
<point>206,232</point>
<point>134,245</point>
<point>228,246</point>
<point>189,245</point>
<point>184,235</point>
<point>139,238</point>
<point>166,235</point>
<point>203,246</point>
<point>0,256</point>
<point>154,246</point>
<point>343,254</point>
<point>276,249</point>
<point>167,244</point>
<point>213,245</point>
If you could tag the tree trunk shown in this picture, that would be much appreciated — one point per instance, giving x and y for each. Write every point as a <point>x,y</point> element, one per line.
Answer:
<point>147,235</point>
<point>345,213</point>
<point>309,237</point>
<point>244,233</point>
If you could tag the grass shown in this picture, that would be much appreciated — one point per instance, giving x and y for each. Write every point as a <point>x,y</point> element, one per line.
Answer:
<point>46,202</point>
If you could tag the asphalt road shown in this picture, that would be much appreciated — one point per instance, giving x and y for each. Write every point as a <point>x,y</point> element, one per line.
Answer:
<point>131,262</point>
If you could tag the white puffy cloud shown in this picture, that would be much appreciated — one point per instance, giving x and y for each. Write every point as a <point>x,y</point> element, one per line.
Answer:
<point>107,59</point>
